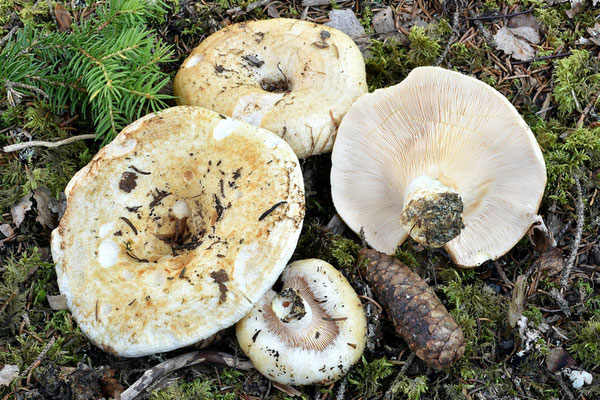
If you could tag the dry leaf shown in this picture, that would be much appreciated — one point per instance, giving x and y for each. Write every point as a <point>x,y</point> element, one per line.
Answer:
<point>558,358</point>
<point>595,34</point>
<point>57,302</point>
<point>63,18</point>
<point>46,205</point>
<point>515,308</point>
<point>7,230</point>
<point>527,33</point>
<point>513,45</point>
<point>8,373</point>
<point>19,210</point>
<point>552,261</point>
<point>346,21</point>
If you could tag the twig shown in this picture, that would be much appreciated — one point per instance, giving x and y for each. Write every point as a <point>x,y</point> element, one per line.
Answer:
<point>40,143</point>
<point>40,357</point>
<point>486,35</point>
<point>185,360</point>
<point>340,395</point>
<point>564,278</point>
<point>8,35</point>
<point>395,385</point>
<point>10,85</point>
<point>49,3</point>
<point>560,300</point>
<point>565,388</point>
<point>559,55</point>
<point>458,7</point>
<point>587,109</point>
<point>498,16</point>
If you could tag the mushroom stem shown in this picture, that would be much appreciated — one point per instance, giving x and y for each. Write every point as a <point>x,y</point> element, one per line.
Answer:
<point>289,306</point>
<point>432,213</point>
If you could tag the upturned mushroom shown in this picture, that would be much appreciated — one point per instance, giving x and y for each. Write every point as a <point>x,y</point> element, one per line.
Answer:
<point>312,331</point>
<point>441,157</point>
<point>176,229</point>
<point>292,77</point>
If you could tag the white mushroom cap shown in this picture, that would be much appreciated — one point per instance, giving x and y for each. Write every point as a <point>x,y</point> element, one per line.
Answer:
<point>325,332</point>
<point>292,77</point>
<point>176,229</point>
<point>438,126</point>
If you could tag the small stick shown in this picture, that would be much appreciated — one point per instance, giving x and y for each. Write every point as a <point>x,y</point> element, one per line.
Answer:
<point>10,85</point>
<point>49,3</point>
<point>185,360</point>
<point>559,55</point>
<point>564,278</point>
<point>40,357</point>
<point>8,35</point>
<point>560,300</point>
<point>40,143</point>
<point>486,35</point>
<point>340,395</point>
<point>455,32</point>
<point>389,395</point>
<point>587,109</point>
<point>490,17</point>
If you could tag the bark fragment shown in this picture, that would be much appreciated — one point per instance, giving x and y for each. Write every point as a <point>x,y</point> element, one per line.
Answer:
<point>418,314</point>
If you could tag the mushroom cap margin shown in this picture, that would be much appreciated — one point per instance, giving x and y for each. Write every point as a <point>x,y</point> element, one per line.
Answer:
<point>451,127</point>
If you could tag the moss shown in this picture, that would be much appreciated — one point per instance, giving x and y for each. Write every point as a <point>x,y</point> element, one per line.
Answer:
<point>412,388</point>
<point>14,289</point>
<point>479,311</point>
<point>38,166</point>
<point>576,79</point>
<point>586,346</point>
<point>365,378</point>
<point>424,50</point>
<point>470,57</point>
<point>203,388</point>
<point>567,152</point>
<point>317,241</point>
<point>387,64</point>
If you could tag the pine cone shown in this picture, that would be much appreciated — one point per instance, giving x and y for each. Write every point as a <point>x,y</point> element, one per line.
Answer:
<point>418,314</point>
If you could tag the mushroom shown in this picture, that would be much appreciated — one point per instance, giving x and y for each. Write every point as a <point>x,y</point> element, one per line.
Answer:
<point>176,229</point>
<point>294,78</point>
<point>442,157</point>
<point>312,331</point>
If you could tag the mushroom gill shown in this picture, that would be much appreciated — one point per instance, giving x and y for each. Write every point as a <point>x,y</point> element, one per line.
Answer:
<point>297,317</point>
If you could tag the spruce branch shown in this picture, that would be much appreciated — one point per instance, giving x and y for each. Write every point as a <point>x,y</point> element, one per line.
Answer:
<point>107,67</point>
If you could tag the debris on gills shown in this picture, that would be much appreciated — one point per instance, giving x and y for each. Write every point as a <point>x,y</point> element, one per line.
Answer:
<point>417,313</point>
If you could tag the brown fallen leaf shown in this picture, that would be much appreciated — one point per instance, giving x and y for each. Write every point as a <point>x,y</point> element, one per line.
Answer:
<point>287,389</point>
<point>516,42</point>
<point>19,210</point>
<point>559,358</point>
<point>63,17</point>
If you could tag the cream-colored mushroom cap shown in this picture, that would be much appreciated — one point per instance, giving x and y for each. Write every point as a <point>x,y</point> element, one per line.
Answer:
<point>441,156</point>
<point>311,332</point>
<point>292,77</point>
<point>176,229</point>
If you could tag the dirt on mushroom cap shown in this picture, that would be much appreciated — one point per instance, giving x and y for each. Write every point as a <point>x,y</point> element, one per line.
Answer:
<point>139,280</point>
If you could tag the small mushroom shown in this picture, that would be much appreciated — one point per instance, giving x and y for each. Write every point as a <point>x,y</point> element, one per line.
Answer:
<point>176,229</point>
<point>442,157</point>
<point>312,331</point>
<point>292,77</point>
